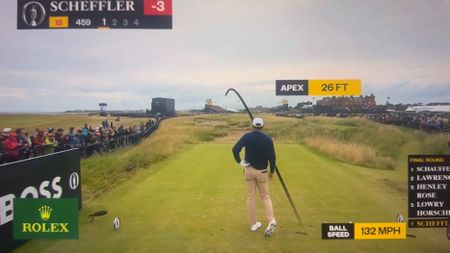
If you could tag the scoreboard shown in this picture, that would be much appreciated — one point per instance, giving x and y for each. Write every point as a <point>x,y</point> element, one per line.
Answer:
<point>94,14</point>
<point>428,191</point>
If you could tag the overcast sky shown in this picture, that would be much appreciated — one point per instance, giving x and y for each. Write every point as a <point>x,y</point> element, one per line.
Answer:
<point>399,49</point>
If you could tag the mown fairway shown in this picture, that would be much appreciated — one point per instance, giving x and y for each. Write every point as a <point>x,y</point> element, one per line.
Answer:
<point>195,202</point>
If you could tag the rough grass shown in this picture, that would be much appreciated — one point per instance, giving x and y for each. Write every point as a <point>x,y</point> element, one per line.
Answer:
<point>351,152</point>
<point>353,140</point>
<point>389,145</point>
<point>64,121</point>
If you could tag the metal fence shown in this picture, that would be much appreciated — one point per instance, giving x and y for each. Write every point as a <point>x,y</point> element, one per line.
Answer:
<point>116,142</point>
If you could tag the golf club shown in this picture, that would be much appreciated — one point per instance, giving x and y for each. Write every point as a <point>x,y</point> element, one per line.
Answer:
<point>276,167</point>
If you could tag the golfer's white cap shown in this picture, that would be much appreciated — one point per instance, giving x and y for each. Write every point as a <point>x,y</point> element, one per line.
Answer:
<point>258,122</point>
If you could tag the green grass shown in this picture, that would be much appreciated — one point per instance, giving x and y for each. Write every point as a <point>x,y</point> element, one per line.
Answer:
<point>195,202</point>
<point>180,190</point>
<point>102,173</point>
<point>356,141</point>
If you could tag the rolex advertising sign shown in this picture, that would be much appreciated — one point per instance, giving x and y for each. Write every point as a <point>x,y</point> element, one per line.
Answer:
<point>45,219</point>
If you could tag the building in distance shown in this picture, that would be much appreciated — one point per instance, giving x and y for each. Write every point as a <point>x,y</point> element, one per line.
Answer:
<point>163,106</point>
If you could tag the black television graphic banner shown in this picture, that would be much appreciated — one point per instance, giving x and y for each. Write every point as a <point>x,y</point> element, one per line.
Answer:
<point>94,14</point>
<point>338,231</point>
<point>428,191</point>
<point>334,87</point>
<point>291,87</point>
<point>51,176</point>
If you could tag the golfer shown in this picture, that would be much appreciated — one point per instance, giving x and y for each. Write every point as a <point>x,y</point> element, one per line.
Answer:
<point>259,152</point>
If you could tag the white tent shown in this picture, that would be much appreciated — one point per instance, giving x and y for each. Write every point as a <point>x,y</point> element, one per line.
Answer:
<point>429,108</point>
<point>231,110</point>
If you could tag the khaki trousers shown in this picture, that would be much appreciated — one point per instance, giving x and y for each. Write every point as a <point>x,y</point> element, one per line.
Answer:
<point>256,179</point>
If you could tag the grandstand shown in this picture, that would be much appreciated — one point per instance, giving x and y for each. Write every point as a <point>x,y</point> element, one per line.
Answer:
<point>332,106</point>
<point>353,103</point>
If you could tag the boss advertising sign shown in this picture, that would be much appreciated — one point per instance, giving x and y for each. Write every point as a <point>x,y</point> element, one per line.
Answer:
<point>94,14</point>
<point>52,176</point>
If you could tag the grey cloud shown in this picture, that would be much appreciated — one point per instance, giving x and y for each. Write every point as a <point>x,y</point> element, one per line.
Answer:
<point>224,38</point>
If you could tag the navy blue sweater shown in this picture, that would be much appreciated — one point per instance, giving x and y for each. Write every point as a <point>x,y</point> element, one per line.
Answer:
<point>259,150</point>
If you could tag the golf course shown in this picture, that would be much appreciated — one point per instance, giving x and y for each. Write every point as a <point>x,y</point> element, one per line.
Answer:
<point>180,190</point>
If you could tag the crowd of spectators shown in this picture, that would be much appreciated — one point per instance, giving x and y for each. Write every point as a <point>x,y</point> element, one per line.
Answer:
<point>427,121</point>
<point>18,144</point>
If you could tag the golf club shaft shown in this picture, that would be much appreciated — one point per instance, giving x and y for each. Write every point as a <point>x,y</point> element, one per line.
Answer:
<point>287,194</point>
<point>242,100</point>
<point>276,167</point>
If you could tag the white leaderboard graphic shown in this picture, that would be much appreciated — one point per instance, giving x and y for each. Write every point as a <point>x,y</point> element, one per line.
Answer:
<point>94,14</point>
